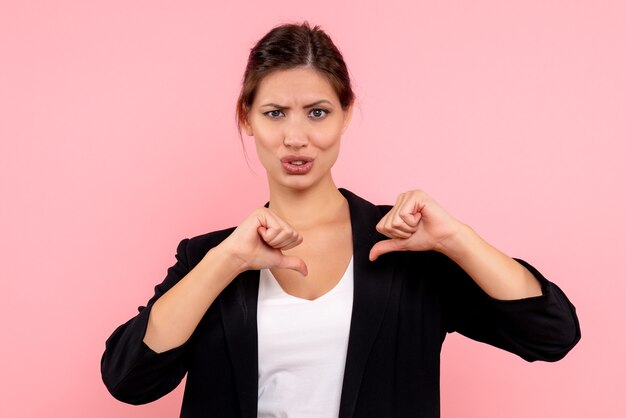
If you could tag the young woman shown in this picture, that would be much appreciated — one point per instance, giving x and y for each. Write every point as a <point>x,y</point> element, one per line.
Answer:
<point>320,303</point>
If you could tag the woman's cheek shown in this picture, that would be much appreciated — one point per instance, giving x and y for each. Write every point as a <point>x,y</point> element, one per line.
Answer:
<point>267,137</point>
<point>327,139</point>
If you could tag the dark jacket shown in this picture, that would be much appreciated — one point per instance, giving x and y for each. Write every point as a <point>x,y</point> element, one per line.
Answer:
<point>404,304</point>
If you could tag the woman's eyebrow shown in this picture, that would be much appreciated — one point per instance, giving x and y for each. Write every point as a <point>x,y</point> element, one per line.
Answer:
<point>304,107</point>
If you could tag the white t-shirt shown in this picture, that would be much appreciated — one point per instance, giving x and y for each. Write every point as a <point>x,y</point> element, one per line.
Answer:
<point>302,349</point>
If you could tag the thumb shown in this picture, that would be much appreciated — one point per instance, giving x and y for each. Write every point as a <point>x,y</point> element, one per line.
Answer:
<point>386,246</point>
<point>293,263</point>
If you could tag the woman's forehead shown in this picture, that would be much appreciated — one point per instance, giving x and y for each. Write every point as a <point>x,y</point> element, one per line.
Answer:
<point>300,84</point>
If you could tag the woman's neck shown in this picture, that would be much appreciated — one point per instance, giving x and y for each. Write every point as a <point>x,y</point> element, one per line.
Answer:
<point>305,209</point>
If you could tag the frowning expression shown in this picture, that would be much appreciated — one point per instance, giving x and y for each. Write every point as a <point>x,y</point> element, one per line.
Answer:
<point>297,122</point>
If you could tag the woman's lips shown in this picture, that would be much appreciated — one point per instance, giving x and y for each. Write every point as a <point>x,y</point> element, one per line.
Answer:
<point>297,167</point>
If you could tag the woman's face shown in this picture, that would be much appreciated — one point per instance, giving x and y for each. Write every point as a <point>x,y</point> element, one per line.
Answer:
<point>297,122</point>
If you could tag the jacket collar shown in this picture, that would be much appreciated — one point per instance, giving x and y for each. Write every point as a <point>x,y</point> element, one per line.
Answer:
<point>372,282</point>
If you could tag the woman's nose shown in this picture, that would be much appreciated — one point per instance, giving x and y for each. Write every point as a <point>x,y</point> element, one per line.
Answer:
<point>295,135</point>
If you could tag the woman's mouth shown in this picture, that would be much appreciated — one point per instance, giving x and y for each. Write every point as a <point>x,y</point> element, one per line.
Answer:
<point>297,166</point>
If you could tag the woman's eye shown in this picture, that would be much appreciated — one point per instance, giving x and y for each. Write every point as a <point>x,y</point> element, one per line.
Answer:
<point>315,113</point>
<point>319,113</point>
<point>273,113</point>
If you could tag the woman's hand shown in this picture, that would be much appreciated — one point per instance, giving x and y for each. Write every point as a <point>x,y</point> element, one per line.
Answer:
<point>418,223</point>
<point>415,223</point>
<point>256,243</point>
<point>259,240</point>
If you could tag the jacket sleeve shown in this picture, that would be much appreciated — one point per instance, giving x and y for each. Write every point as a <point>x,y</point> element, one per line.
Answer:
<point>542,327</point>
<point>132,371</point>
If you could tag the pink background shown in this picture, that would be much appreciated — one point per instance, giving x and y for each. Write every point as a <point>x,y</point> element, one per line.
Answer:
<point>118,138</point>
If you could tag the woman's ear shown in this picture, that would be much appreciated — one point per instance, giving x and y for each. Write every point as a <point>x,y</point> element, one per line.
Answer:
<point>347,117</point>
<point>246,127</point>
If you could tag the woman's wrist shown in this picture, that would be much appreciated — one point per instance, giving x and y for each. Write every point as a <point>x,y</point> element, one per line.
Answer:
<point>223,260</point>
<point>460,241</point>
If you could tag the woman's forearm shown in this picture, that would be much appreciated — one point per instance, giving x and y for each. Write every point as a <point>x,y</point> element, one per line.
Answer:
<point>176,314</point>
<point>500,276</point>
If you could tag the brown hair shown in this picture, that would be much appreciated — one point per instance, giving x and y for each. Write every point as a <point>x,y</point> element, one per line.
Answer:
<point>293,45</point>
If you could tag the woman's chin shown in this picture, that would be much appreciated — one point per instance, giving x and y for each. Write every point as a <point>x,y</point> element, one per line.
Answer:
<point>295,183</point>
